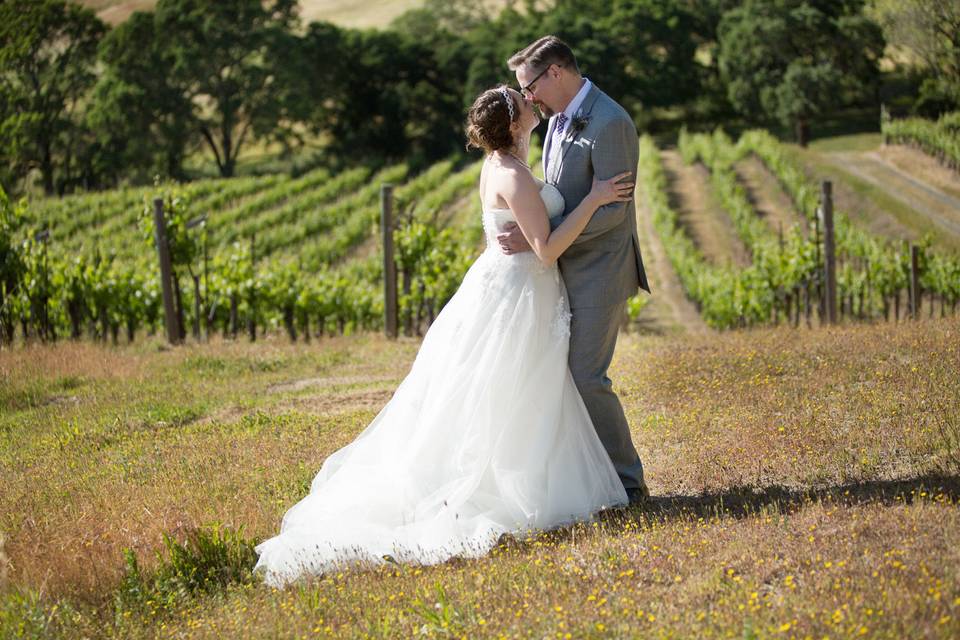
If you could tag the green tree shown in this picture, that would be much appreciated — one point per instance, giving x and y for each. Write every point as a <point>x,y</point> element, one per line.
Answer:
<point>47,56</point>
<point>928,31</point>
<point>394,99</point>
<point>141,119</point>
<point>639,50</point>
<point>227,58</point>
<point>792,60</point>
<point>642,52</point>
<point>11,262</point>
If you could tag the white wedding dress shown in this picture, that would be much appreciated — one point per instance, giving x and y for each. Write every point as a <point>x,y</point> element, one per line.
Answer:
<point>487,434</point>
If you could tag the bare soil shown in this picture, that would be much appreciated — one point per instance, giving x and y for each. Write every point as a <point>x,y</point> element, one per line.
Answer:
<point>767,197</point>
<point>113,13</point>
<point>367,248</point>
<point>669,309</point>
<point>700,214</point>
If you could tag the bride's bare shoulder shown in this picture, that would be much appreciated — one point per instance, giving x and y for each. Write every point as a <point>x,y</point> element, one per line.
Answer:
<point>508,175</point>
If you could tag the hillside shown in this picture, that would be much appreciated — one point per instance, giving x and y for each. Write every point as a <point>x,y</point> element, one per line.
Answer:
<point>804,483</point>
<point>346,13</point>
<point>892,190</point>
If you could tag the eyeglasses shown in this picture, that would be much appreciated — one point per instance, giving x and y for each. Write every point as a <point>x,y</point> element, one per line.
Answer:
<point>527,91</point>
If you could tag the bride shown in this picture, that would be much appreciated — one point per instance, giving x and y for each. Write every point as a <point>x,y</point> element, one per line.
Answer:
<point>487,434</point>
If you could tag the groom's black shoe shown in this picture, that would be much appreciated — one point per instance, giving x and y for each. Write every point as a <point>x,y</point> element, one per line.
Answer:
<point>638,496</point>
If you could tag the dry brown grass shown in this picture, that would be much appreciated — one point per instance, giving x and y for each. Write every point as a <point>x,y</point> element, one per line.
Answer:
<point>164,441</point>
<point>815,569</point>
<point>881,206</point>
<point>805,484</point>
<point>795,408</point>
<point>921,166</point>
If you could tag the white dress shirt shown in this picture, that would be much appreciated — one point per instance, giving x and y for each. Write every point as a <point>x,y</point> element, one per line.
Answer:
<point>572,107</point>
<point>553,140</point>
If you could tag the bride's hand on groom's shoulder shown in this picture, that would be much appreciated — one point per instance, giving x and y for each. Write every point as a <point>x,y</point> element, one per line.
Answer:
<point>511,239</point>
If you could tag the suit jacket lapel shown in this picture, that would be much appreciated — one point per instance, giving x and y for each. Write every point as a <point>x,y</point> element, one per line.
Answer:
<point>570,134</point>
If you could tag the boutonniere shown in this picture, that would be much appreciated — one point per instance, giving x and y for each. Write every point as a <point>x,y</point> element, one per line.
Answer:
<point>579,122</point>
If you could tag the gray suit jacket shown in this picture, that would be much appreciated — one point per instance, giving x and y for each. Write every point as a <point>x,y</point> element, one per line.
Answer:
<point>603,265</point>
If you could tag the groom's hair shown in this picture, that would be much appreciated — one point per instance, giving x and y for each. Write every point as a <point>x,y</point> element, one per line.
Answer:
<point>544,52</point>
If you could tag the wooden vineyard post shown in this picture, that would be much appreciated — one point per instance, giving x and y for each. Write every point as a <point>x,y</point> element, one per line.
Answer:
<point>915,295</point>
<point>196,308</point>
<point>796,306</point>
<point>234,315</point>
<point>46,328</point>
<point>252,319</point>
<point>389,264</point>
<point>166,272</point>
<point>208,309</point>
<point>306,314</point>
<point>818,261</point>
<point>829,252</point>
<point>197,302</point>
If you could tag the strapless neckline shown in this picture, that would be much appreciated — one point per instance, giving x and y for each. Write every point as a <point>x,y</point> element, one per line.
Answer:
<point>495,219</point>
<point>543,187</point>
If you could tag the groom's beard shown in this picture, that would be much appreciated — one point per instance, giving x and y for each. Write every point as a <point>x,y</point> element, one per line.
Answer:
<point>545,111</point>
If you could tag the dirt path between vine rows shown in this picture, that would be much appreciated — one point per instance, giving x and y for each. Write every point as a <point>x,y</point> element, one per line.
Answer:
<point>767,197</point>
<point>669,308</point>
<point>700,214</point>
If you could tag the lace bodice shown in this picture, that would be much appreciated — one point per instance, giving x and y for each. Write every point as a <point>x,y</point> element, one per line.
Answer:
<point>494,219</point>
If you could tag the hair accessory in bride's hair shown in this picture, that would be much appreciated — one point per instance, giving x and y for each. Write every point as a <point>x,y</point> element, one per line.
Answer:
<point>509,100</point>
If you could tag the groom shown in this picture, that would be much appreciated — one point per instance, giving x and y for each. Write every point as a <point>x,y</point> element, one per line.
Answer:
<point>589,134</point>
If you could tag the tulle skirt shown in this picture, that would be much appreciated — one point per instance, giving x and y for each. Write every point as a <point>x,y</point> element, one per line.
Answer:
<point>486,435</point>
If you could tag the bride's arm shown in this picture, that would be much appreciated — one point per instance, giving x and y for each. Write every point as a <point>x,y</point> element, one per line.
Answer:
<point>522,195</point>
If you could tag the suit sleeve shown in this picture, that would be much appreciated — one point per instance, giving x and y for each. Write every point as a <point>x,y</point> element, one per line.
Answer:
<point>555,222</point>
<point>615,150</point>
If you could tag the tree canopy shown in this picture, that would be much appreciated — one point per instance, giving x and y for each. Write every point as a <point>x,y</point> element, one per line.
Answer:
<point>929,32</point>
<point>84,106</point>
<point>224,58</point>
<point>792,60</point>
<point>46,68</point>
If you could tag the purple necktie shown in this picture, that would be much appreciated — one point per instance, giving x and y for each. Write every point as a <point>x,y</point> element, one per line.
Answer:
<point>561,122</point>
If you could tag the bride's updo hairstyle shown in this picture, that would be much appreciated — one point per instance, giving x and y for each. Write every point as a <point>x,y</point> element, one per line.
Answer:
<point>489,120</point>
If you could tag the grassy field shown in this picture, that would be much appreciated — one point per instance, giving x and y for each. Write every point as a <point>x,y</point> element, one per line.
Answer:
<point>805,485</point>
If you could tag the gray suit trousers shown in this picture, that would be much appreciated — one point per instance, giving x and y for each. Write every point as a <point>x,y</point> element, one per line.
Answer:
<point>593,337</point>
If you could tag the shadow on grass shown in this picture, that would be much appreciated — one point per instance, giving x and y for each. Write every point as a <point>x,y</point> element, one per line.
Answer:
<point>740,502</point>
<point>746,501</point>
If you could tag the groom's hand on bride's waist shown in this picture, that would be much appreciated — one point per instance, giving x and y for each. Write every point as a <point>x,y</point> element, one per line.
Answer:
<point>511,239</point>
